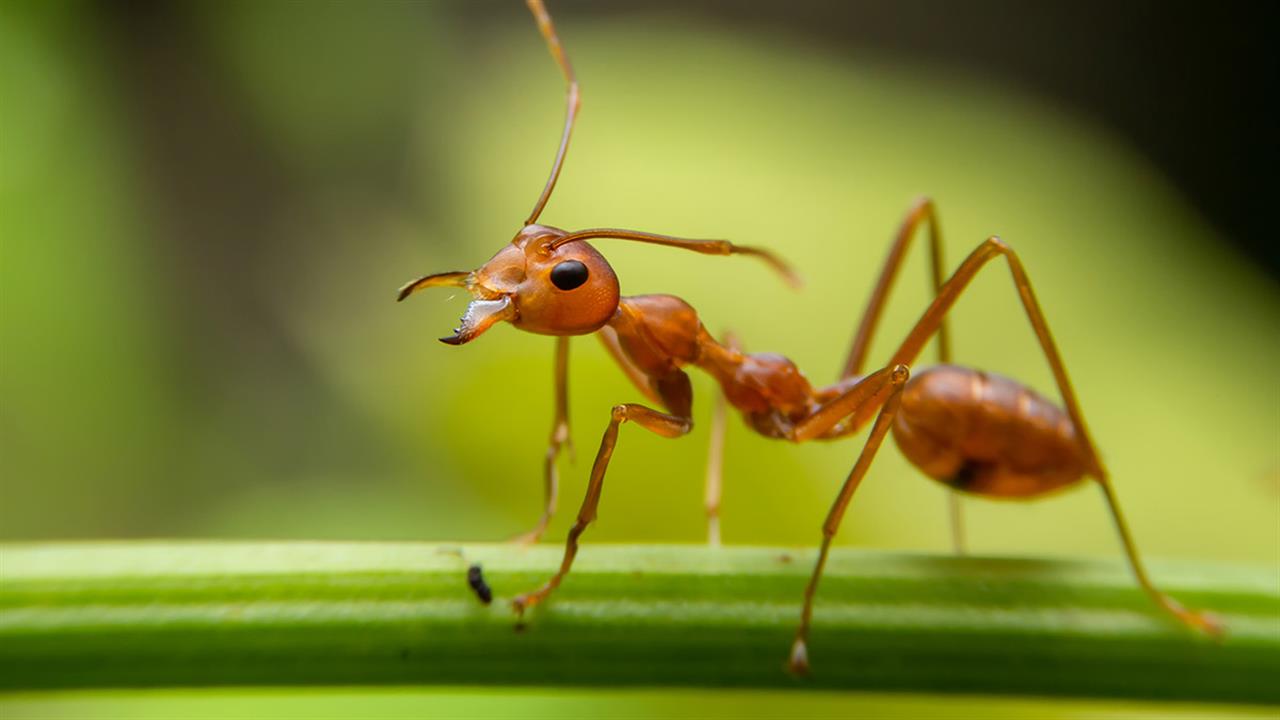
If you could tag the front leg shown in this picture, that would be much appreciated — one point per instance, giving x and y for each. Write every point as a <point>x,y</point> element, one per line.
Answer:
<point>641,337</point>
<point>670,426</point>
<point>558,440</point>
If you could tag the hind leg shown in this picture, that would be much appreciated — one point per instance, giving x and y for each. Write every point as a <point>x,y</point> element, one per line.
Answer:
<point>932,320</point>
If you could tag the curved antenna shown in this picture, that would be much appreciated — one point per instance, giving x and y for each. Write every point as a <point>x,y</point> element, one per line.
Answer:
<point>574,101</point>
<point>706,247</point>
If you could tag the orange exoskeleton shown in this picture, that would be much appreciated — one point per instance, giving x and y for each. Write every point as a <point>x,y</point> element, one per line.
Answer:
<point>978,433</point>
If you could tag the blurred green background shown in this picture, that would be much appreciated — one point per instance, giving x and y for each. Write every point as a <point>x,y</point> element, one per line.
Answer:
<point>205,213</point>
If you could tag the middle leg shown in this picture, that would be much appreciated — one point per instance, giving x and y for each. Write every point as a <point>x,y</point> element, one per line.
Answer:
<point>799,663</point>
<point>715,455</point>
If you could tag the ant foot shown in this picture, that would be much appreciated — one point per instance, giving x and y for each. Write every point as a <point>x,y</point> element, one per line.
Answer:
<point>524,540</point>
<point>1207,623</point>
<point>1199,620</point>
<point>521,603</point>
<point>799,664</point>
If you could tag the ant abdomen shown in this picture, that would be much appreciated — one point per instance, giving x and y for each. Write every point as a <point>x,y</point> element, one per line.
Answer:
<point>986,434</point>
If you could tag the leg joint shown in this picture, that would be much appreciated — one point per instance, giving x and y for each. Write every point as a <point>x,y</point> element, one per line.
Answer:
<point>899,375</point>
<point>923,205</point>
<point>995,242</point>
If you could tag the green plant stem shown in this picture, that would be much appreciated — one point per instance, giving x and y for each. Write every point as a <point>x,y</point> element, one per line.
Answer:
<point>215,613</point>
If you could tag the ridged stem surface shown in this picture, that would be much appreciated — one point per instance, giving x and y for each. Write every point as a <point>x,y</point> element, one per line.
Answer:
<point>158,613</point>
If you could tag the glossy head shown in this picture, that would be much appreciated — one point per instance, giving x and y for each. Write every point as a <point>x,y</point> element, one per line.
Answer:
<point>570,290</point>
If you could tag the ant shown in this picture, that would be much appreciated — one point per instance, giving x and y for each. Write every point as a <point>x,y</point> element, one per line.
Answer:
<point>977,433</point>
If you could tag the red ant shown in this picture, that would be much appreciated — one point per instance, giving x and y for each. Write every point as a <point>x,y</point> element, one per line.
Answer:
<point>978,433</point>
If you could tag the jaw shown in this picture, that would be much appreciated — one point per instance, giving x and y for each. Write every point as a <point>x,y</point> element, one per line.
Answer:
<point>487,309</point>
<point>481,315</point>
<point>493,287</point>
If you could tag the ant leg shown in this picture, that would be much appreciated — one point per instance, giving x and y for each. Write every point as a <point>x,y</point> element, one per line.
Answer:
<point>955,516</point>
<point>669,426</point>
<point>573,102</point>
<point>922,212</point>
<point>609,338</point>
<point>715,455</point>
<point>799,648</point>
<point>559,439</point>
<point>849,411</point>
<point>715,469</point>
<point>1205,622</point>
<point>994,247</point>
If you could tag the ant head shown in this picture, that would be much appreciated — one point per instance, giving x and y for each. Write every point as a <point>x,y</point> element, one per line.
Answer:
<point>566,290</point>
<point>534,285</point>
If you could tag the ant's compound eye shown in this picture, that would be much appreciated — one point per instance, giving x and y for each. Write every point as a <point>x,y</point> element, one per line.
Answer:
<point>569,275</point>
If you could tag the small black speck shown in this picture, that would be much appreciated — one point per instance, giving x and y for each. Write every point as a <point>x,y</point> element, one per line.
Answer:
<point>520,627</point>
<point>475,578</point>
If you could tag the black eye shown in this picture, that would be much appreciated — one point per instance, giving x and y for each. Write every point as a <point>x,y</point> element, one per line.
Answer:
<point>568,275</point>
